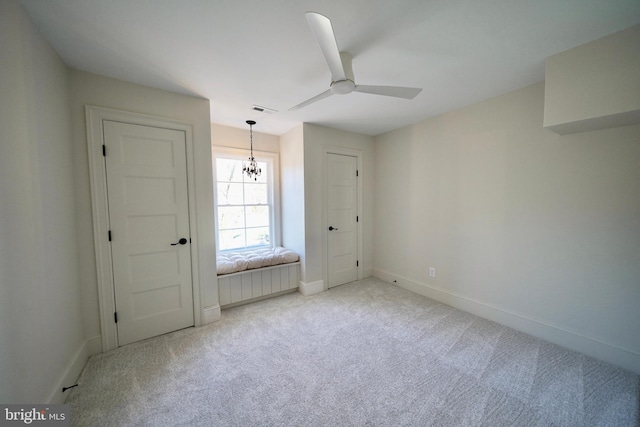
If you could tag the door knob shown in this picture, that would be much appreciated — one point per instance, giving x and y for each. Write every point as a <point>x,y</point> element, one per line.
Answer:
<point>182,241</point>
<point>331,228</point>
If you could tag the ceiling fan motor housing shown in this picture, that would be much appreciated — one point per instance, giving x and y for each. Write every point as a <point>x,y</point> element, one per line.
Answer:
<point>342,87</point>
<point>346,85</point>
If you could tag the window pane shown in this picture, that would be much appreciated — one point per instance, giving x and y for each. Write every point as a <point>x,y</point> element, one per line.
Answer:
<point>242,204</point>
<point>257,216</point>
<point>230,193</point>
<point>229,170</point>
<point>231,239</point>
<point>230,217</point>
<point>255,194</point>
<point>258,236</point>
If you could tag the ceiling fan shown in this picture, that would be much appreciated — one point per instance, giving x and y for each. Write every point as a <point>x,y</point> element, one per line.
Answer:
<point>342,79</point>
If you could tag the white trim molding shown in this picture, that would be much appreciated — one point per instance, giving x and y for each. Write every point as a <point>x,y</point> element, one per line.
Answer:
<point>555,334</point>
<point>273,175</point>
<point>311,288</point>
<point>211,314</point>
<point>95,116</point>
<point>94,345</point>
<point>359,155</point>
<point>70,374</point>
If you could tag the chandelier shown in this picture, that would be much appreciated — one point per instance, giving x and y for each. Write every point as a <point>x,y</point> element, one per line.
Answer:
<point>252,170</point>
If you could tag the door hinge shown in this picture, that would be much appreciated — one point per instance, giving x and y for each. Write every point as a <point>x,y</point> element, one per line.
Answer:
<point>115,316</point>
<point>109,235</point>
<point>104,150</point>
<point>357,263</point>
<point>357,172</point>
<point>357,220</point>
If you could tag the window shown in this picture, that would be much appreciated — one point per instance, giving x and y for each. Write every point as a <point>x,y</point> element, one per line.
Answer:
<point>245,208</point>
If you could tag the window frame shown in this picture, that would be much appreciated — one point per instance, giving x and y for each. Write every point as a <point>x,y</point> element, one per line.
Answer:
<point>273,189</point>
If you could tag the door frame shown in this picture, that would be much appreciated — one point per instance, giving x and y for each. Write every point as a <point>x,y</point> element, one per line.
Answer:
<point>95,116</point>
<point>325,215</point>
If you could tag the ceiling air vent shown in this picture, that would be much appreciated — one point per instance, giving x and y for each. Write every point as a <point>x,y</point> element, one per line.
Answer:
<point>263,109</point>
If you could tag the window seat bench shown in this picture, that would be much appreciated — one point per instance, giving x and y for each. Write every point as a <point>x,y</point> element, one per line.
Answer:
<point>234,262</point>
<point>258,274</point>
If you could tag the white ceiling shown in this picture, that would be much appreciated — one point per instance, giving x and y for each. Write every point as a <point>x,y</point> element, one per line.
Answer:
<point>243,52</point>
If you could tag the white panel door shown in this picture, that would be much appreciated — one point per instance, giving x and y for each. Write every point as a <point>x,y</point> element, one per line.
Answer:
<point>149,225</point>
<point>342,204</point>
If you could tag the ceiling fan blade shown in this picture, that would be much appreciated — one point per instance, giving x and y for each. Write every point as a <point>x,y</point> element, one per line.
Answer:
<point>395,91</point>
<point>323,32</point>
<point>316,98</point>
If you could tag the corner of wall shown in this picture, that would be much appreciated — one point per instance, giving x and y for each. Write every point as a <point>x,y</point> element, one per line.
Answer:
<point>211,314</point>
<point>311,288</point>
<point>72,371</point>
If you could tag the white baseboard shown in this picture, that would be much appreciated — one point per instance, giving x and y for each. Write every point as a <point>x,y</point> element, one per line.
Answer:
<point>72,371</point>
<point>311,288</point>
<point>556,334</point>
<point>211,314</point>
<point>94,345</point>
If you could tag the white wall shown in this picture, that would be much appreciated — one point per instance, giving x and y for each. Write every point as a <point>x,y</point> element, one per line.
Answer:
<point>535,230</point>
<point>225,136</point>
<point>42,343</point>
<point>595,85</point>
<point>292,183</point>
<point>316,139</point>
<point>87,88</point>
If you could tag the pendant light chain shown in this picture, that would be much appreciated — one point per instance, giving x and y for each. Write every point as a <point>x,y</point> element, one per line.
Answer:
<point>252,170</point>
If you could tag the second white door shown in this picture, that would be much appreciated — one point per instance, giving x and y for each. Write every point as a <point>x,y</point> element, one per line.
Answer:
<point>342,216</point>
<point>149,228</point>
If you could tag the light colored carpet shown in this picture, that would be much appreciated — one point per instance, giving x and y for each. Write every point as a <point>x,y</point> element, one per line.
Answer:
<point>363,354</point>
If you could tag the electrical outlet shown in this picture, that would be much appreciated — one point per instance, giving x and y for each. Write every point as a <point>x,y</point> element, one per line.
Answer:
<point>432,272</point>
